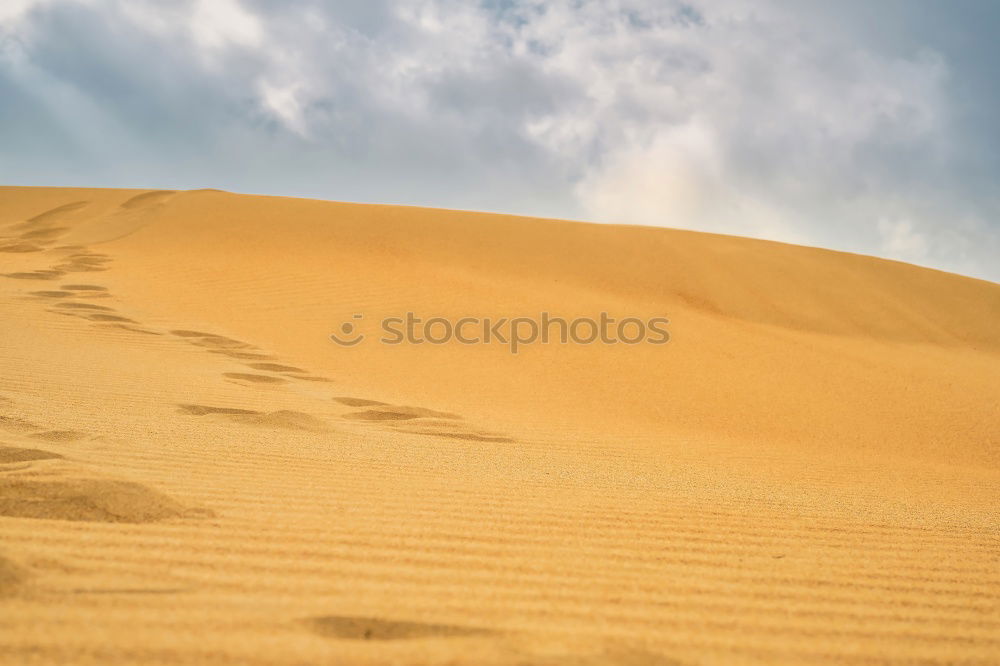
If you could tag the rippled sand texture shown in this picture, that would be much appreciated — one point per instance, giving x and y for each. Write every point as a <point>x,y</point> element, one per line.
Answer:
<point>191,472</point>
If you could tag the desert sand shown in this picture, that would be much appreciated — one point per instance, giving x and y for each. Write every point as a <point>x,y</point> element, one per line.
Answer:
<point>192,472</point>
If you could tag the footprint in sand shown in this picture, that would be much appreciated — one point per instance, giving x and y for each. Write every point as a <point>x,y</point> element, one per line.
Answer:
<point>47,233</point>
<point>288,371</point>
<point>136,329</point>
<point>385,412</point>
<point>254,379</point>
<point>38,233</point>
<point>246,356</point>
<point>79,262</point>
<point>211,340</point>
<point>31,488</point>
<point>500,647</point>
<point>86,499</point>
<point>76,259</point>
<point>43,484</point>
<point>466,436</point>
<point>275,367</point>
<point>84,288</point>
<point>58,435</point>
<point>70,305</point>
<point>55,213</point>
<point>51,294</point>
<point>21,248</point>
<point>358,402</point>
<point>147,199</point>
<point>379,415</point>
<point>12,577</point>
<point>284,418</point>
<point>97,313</point>
<point>111,318</point>
<point>131,215</point>
<point>35,490</point>
<point>220,344</point>
<point>204,410</point>
<point>13,454</point>
<point>38,483</point>
<point>359,628</point>
<point>86,294</point>
<point>46,274</point>
<point>84,262</point>
<point>418,420</point>
<point>17,424</point>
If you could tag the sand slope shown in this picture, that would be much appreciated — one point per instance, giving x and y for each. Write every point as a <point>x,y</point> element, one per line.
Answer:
<point>192,472</point>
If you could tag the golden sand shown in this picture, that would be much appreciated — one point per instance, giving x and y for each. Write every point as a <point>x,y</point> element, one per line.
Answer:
<point>191,471</point>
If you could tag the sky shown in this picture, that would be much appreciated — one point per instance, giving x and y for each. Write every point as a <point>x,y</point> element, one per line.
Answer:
<point>854,125</point>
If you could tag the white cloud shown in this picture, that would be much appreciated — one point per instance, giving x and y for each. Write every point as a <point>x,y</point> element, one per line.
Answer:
<point>901,241</point>
<point>668,181</point>
<point>714,118</point>
<point>220,23</point>
<point>284,102</point>
<point>12,10</point>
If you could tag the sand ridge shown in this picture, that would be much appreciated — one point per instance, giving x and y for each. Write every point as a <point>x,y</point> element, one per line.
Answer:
<point>191,472</point>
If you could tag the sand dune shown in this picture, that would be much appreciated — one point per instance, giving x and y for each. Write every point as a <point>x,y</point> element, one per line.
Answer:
<point>191,471</point>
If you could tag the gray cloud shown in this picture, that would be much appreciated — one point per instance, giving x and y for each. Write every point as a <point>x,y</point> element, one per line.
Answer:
<point>862,126</point>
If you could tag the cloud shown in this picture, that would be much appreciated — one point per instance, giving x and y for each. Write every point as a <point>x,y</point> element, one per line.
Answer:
<point>11,11</point>
<point>901,241</point>
<point>219,23</point>
<point>284,102</point>
<point>866,126</point>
